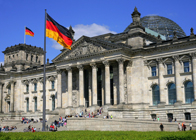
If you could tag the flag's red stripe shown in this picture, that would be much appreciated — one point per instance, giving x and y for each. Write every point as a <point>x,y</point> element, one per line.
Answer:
<point>51,26</point>
<point>29,31</point>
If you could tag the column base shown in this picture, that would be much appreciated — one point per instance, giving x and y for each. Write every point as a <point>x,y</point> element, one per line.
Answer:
<point>178,103</point>
<point>161,105</point>
<point>121,105</point>
<point>194,103</point>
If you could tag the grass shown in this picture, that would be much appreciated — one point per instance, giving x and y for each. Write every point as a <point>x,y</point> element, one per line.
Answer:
<point>99,135</point>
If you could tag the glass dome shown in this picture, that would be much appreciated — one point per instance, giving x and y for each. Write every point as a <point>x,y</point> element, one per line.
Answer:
<point>162,26</point>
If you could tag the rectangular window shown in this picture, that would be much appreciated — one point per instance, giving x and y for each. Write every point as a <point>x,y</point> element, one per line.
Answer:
<point>35,87</point>
<point>169,68</point>
<point>9,90</point>
<point>52,84</point>
<point>153,69</point>
<point>186,66</point>
<point>27,88</point>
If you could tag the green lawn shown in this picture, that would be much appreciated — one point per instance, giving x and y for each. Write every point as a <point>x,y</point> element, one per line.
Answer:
<point>99,135</point>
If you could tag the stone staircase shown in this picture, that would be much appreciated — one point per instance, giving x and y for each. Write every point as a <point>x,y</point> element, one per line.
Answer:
<point>100,124</point>
<point>97,124</point>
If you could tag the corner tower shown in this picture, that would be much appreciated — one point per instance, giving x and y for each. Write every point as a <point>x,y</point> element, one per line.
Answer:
<point>22,56</point>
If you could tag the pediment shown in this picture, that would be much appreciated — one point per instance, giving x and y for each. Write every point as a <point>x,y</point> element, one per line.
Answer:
<point>85,49</point>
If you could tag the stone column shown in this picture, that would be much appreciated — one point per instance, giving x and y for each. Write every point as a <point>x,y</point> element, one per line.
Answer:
<point>179,95</point>
<point>129,82</point>
<point>103,86</point>
<point>90,87</point>
<point>121,80</point>
<point>12,97</point>
<point>194,75</point>
<point>107,82</point>
<point>94,83</point>
<point>161,82</point>
<point>81,85</point>
<point>1,96</point>
<point>69,86</point>
<point>115,86</point>
<point>59,89</point>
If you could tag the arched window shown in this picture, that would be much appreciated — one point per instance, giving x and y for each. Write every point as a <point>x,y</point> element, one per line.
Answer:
<point>53,102</point>
<point>172,93</point>
<point>36,58</point>
<point>189,95</point>
<point>26,56</point>
<point>31,57</point>
<point>155,95</point>
<point>35,105</point>
<point>27,100</point>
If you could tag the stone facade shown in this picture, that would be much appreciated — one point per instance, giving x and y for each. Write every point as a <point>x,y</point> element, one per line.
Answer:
<point>131,74</point>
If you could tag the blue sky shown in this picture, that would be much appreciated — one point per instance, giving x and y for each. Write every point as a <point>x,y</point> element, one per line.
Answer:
<point>87,17</point>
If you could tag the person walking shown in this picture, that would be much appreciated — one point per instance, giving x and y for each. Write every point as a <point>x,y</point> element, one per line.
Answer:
<point>158,119</point>
<point>161,127</point>
<point>190,126</point>
<point>182,126</point>
<point>179,127</point>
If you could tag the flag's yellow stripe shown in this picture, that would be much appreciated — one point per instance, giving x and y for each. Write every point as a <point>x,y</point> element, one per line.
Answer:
<point>55,36</point>
<point>27,33</point>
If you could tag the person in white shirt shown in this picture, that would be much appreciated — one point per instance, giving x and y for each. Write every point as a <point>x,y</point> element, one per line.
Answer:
<point>190,126</point>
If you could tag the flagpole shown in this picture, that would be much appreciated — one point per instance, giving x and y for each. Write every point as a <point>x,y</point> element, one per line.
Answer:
<point>44,82</point>
<point>25,35</point>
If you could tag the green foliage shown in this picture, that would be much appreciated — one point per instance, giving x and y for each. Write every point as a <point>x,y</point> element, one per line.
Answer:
<point>99,135</point>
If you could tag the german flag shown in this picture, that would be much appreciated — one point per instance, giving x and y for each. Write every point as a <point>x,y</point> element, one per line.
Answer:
<point>58,33</point>
<point>28,32</point>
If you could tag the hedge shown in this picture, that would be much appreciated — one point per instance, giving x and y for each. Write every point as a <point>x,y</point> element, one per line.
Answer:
<point>99,135</point>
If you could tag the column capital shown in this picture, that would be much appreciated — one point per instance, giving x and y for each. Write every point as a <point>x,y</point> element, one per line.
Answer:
<point>80,67</point>
<point>59,71</point>
<point>193,55</point>
<point>106,63</point>
<point>12,81</point>
<point>130,63</point>
<point>159,60</point>
<point>68,69</point>
<point>176,58</point>
<point>120,60</point>
<point>93,65</point>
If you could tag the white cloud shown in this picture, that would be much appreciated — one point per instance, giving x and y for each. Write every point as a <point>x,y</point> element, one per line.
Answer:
<point>90,30</point>
<point>56,45</point>
<point>87,30</point>
<point>2,63</point>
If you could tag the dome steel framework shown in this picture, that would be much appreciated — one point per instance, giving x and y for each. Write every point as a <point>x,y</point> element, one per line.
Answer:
<point>162,26</point>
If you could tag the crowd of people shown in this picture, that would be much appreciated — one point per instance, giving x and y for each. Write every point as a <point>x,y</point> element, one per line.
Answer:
<point>60,123</point>
<point>181,127</point>
<point>8,128</point>
<point>32,129</point>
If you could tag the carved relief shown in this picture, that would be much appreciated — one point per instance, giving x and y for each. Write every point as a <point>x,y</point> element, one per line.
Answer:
<point>85,49</point>
<point>51,78</point>
<point>25,82</point>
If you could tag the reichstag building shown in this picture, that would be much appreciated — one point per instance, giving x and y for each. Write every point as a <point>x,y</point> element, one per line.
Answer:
<point>148,70</point>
